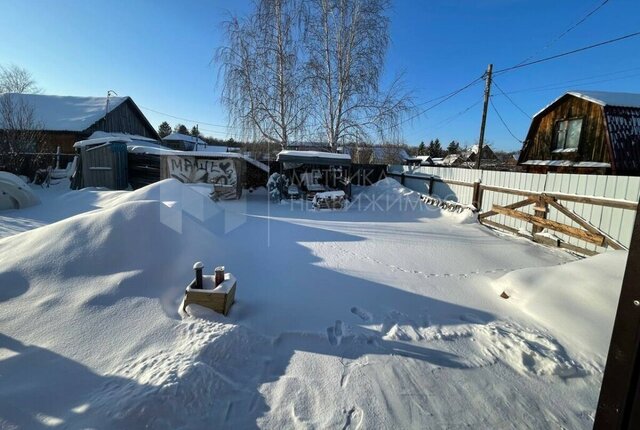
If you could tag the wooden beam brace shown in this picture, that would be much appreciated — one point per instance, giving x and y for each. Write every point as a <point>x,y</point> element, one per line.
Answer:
<point>519,204</point>
<point>600,201</point>
<point>608,240</point>
<point>553,225</point>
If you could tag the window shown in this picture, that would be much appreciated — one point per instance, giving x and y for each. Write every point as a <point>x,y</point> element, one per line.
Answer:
<point>567,134</point>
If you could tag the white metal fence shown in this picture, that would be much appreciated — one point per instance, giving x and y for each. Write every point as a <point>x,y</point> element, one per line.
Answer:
<point>615,222</point>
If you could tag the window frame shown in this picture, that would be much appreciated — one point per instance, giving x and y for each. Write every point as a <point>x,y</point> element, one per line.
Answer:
<point>556,130</point>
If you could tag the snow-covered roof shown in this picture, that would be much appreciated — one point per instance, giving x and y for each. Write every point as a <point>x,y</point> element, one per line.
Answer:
<point>144,149</point>
<point>130,139</point>
<point>566,163</point>
<point>66,113</point>
<point>183,138</point>
<point>603,98</point>
<point>314,158</point>
<point>312,154</point>
<point>100,134</point>
<point>606,98</point>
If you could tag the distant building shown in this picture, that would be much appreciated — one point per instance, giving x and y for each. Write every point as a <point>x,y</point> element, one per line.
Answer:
<point>65,120</point>
<point>419,160</point>
<point>471,154</point>
<point>186,142</point>
<point>585,132</point>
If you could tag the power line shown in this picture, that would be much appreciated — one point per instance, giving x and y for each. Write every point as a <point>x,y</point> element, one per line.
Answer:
<point>502,121</point>
<point>185,119</point>
<point>567,31</point>
<point>580,81</point>
<point>457,115</point>
<point>444,99</point>
<point>509,98</point>
<point>595,45</point>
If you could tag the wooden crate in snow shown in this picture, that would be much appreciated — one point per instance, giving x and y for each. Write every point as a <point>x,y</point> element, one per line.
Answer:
<point>218,298</point>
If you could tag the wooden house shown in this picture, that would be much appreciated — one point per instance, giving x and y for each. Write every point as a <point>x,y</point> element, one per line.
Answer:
<point>65,120</point>
<point>585,132</point>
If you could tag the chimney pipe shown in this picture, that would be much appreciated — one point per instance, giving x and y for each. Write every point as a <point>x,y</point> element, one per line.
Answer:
<point>198,268</point>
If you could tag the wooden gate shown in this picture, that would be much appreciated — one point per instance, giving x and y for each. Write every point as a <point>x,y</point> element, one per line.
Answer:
<point>543,203</point>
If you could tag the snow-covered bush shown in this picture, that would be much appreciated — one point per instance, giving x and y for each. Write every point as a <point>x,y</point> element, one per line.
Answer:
<point>276,185</point>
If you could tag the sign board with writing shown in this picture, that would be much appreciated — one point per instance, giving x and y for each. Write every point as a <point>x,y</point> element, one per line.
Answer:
<point>221,173</point>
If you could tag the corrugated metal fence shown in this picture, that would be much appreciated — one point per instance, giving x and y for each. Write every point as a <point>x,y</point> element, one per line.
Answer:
<point>456,184</point>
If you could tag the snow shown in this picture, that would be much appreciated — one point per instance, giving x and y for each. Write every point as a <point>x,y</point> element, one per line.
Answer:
<point>571,296</point>
<point>66,113</point>
<point>383,315</point>
<point>209,285</point>
<point>566,163</point>
<point>101,140</point>
<point>148,149</point>
<point>330,155</point>
<point>15,193</point>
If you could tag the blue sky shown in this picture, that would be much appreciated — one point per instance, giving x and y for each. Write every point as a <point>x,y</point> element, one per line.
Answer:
<point>160,53</point>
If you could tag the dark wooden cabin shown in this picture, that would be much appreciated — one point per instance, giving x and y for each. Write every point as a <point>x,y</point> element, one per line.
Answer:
<point>65,120</point>
<point>592,132</point>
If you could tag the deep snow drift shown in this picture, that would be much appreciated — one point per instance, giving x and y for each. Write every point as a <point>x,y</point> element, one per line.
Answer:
<point>383,315</point>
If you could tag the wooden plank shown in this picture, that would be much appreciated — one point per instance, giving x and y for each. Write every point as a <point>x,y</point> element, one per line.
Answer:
<point>601,201</point>
<point>516,205</point>
<point>584,223</point>
<point>508,191</point>
<point>553,225</point>
<point>544,240</point>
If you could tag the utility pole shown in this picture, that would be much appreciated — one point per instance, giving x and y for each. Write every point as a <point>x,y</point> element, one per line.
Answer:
<point>487,94</point>
<point>197,137</point>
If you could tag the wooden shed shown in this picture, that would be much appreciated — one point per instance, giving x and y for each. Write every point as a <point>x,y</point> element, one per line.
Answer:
<point>585,132</point>
<point>65,120</point>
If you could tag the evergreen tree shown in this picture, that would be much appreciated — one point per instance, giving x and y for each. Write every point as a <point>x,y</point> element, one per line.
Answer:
<point>181,128</point>
<point>164,129</point>
<point>422,149</point>
<point>454,147</point>
<point>195,132</point>
<point>434,149</point>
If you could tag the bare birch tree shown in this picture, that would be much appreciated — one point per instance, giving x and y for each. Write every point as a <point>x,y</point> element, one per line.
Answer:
<point>14,79</point>
<point>346,41</point>
<point>21,135</point>
<point>263,72</point>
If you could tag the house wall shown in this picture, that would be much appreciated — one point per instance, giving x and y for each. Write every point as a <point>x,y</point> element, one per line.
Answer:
<point>124,119</point>
<point>592,146</point>
<point>64,139</point>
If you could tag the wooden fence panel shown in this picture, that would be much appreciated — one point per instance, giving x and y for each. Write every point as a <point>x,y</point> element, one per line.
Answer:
<point>614,221</point>
<point>514,180</point>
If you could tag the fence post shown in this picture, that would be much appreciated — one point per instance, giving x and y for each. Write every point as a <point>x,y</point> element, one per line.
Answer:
<point>58,157</point>
<point>402,178</point>
<point>540,210</point>
<point>476,200</point>
<point>619,403</point>
<point>430,185</point>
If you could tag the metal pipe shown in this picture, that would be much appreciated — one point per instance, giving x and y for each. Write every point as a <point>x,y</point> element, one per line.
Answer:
<point>198,268</point>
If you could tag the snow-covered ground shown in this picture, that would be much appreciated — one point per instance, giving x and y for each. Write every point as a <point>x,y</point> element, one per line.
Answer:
<point>383,315</point>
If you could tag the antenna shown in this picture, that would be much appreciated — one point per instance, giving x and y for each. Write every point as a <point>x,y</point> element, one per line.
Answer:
<point>106,111</point>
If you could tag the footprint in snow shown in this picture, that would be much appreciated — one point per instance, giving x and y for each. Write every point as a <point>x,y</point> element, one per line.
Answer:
<point>361,313</point>
<point>335,333</point>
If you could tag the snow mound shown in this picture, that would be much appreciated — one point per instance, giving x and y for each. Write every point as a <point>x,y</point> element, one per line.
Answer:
<point>387,189</point>
<point>577,300</point>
